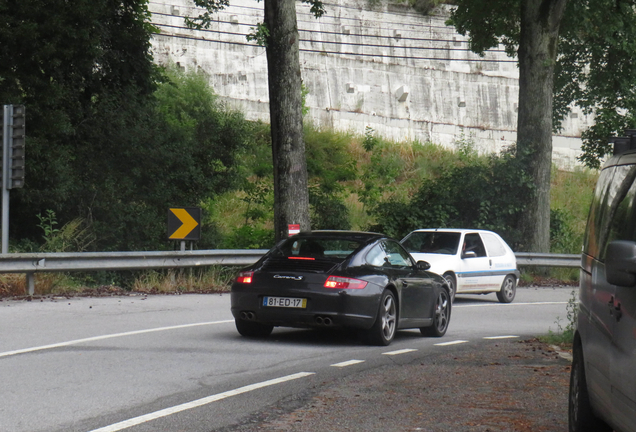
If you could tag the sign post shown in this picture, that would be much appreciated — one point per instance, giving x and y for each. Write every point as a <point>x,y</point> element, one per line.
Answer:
<point>13,144</point>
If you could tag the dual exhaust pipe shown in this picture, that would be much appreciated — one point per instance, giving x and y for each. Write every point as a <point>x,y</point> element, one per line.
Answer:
<point>319,320</point>
<point>324,321</point>
<point>248,316</point>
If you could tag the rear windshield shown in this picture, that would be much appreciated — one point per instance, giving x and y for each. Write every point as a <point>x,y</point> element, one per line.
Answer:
<point>316,247</point>
<point>445,243</point>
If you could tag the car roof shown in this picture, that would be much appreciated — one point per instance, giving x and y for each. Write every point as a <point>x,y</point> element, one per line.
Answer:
<point>357,235</point>
<point>453,230</point>
<point>627,158</point>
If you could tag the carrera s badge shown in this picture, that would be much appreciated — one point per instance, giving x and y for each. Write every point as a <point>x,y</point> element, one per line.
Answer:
<point>296,278</point>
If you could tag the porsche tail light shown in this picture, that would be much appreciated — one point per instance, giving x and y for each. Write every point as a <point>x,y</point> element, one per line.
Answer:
<point>344,283</point>
<point>245,277</point>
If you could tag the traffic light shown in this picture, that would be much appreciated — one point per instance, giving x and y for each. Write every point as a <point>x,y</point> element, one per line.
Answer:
<point>17,140</point>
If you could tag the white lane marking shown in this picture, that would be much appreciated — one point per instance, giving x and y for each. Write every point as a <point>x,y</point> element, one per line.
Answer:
<point>110,336</point>
<point>347,363</point>
<point>402,351</point>
<point>452,343</point>
<point>197,403</point>
<point>508,304</point>
<point>500,337</point>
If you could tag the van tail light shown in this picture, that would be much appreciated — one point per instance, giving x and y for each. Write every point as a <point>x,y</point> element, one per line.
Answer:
<point>338,282</point>
<point>245,277</point>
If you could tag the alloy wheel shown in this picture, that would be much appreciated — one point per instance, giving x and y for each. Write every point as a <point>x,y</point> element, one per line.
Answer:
<point>389,317</point>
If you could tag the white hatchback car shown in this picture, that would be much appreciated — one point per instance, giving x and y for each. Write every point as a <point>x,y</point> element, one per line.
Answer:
<point>472,261</point>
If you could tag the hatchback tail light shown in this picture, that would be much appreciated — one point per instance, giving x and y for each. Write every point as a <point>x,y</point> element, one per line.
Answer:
<point>344,283</point>
<point>245,277</point>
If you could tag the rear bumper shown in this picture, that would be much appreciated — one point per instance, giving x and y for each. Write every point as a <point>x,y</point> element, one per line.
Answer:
<point>344,308</point>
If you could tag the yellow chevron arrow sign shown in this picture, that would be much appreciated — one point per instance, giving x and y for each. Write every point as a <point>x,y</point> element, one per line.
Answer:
<point>184,223</point>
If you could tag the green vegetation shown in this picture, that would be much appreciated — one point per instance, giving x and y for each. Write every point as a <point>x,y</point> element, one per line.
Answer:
<point>179,147</point>
<point>115,140</point>
<point>366,182</point>
<point>356,182</point>
<point>563,336</point>
<point>595,71</point>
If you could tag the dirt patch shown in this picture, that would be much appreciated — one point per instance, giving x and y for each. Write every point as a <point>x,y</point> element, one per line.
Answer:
<point>542,282</point>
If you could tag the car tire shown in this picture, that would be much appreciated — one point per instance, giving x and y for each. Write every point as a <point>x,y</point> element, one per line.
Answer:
<point>253,329</point>
<point>581,418</point>
<point>441,319</point>
<point>452,285</point>
<point>508,289</point>
<point>383,330</point>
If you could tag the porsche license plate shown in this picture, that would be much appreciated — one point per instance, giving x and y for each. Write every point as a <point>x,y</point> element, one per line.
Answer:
<point>289,302</point>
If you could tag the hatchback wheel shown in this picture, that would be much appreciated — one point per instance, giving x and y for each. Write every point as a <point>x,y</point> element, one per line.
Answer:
<point>252,329</point>
<point>581,418</point>
<point>508,290</point>
<point>383,329</point>
<point>452,285</point>
<point>441,318</point>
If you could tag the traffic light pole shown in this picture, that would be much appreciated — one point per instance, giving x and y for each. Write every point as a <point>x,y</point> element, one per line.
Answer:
<point>12,171</point>
<point>7,130</point>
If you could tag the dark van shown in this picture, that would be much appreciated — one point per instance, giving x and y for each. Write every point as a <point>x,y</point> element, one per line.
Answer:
<point>603,378</point>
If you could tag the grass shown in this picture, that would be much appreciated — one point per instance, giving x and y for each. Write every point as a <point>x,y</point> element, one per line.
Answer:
<point>214,279</point>
<point>560,339</point>
<point>564,335</point>
<point>13,284</point>
<point>573,191</point>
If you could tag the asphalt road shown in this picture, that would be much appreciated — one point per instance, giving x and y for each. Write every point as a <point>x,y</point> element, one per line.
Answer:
<point>176,363</point>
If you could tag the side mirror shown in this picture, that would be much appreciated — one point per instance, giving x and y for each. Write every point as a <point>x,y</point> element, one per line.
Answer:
<point>469,254</point>
<point>620,263</point>
<point>423,265</point>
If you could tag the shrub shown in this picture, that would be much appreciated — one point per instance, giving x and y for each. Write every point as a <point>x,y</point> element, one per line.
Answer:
<point>563,239</point>
<point>328,211</point>
<point>482,193</point>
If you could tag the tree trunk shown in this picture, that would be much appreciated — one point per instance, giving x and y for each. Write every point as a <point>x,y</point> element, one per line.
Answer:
<point>291,200</point>
<point>540,20</point>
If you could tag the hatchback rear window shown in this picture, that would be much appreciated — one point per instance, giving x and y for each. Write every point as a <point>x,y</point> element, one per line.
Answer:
<point>493,244</point>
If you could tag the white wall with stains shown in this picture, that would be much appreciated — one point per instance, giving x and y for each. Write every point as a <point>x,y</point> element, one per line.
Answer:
<point>407,76</point>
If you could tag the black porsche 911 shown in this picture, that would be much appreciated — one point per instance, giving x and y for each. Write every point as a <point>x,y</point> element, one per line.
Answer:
<point>340,279</point>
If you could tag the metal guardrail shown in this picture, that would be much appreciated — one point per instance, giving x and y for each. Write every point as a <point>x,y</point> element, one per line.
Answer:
<point>30,264</point>
<point>103,261</point>
<point>97,261</point>
<point>548,259</point>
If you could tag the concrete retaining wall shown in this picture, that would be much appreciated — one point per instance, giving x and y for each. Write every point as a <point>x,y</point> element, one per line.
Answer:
<point>407,76</point>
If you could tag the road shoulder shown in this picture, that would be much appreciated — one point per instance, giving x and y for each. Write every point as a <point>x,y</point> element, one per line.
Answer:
<point>507,386</point>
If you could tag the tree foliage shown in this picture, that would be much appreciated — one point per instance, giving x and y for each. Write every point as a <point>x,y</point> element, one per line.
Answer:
<point>279,34</point>
<point>132,162</point>
<point>489,23</point>
<point>110,138</point>
<point>60,57</point>
<point>66,61</point>
<point>594,68</point>
<point>596,71</point>
<point>531,29</point>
